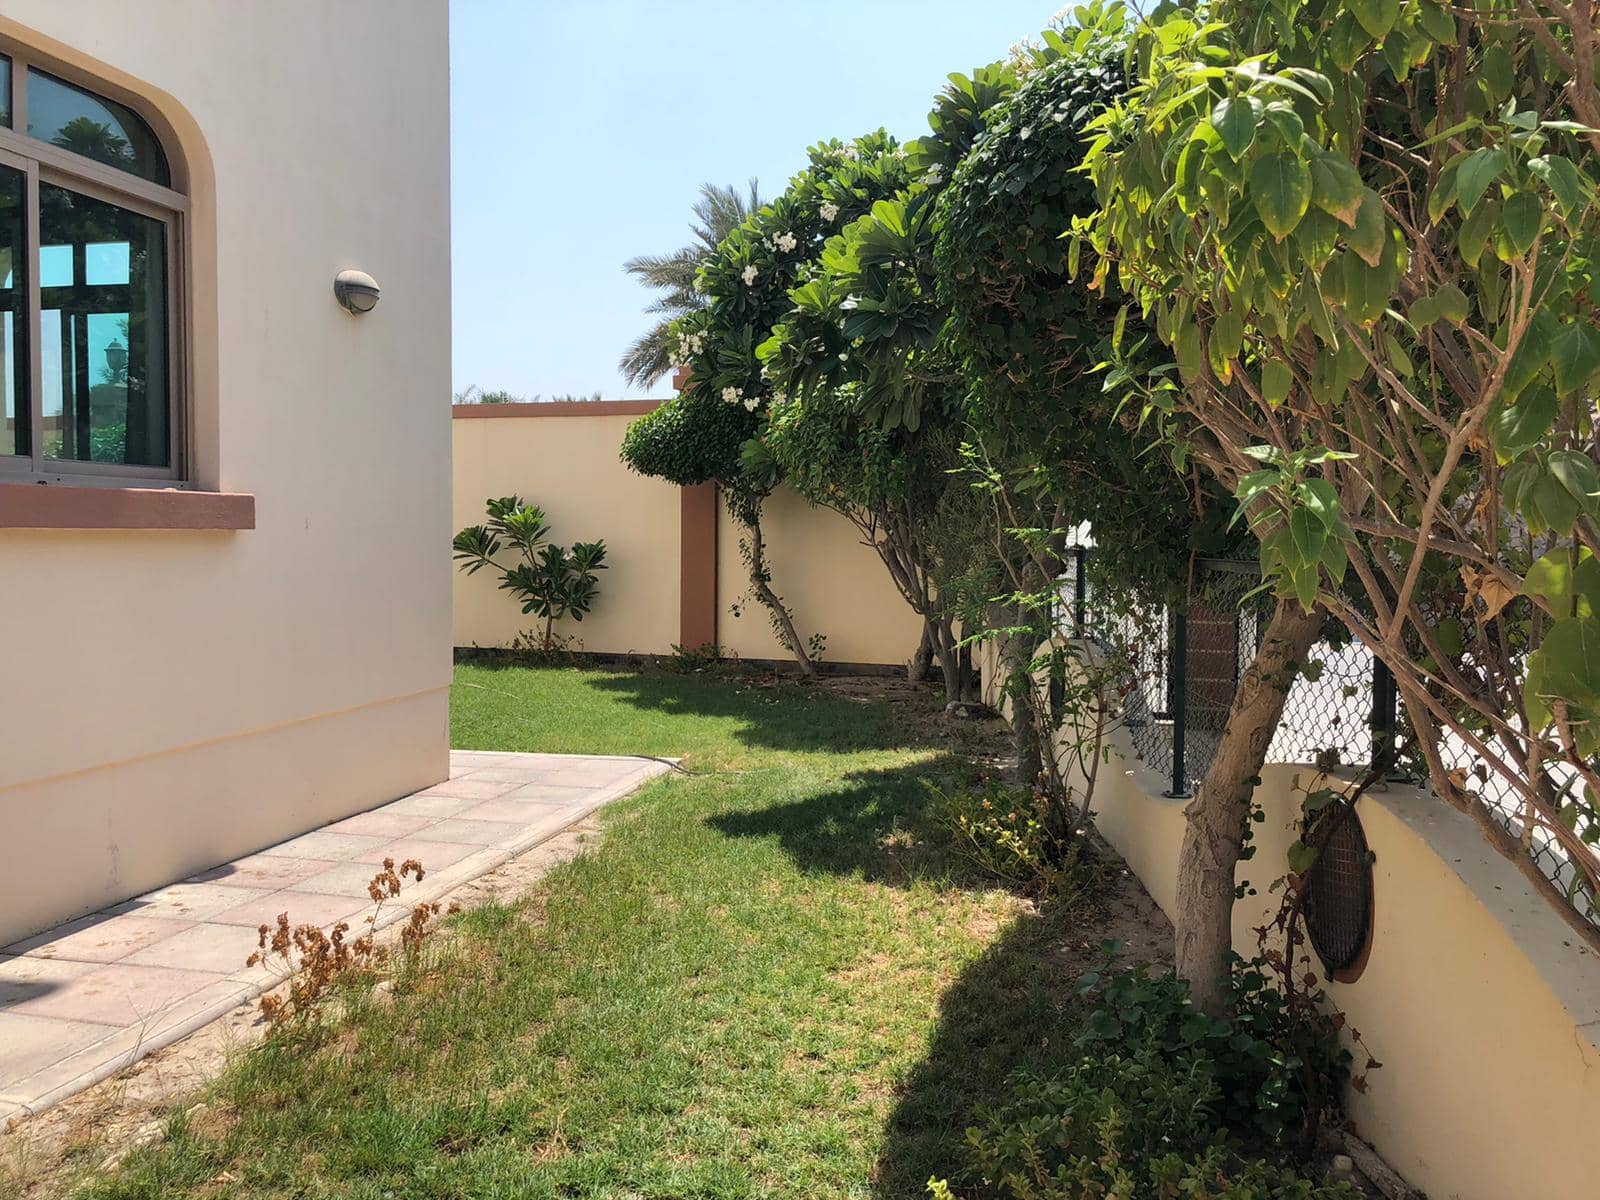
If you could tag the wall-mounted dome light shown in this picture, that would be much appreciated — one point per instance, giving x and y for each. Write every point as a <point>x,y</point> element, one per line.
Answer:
<point>356,291</point>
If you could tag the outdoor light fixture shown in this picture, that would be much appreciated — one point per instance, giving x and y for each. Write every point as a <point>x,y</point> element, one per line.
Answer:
<point>116,357</point>
<point>356,291</point>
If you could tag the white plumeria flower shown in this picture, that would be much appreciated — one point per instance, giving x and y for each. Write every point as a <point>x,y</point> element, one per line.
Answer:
<point>829,212</point>
<point>851,152</point>
<point>933,175</point>
<point>785,241</point>
<point>749,275</point>
<point>751,403</point>
<point>730,395</point>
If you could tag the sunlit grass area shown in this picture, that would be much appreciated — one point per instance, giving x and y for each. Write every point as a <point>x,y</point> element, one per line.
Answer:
<point>770,978</point>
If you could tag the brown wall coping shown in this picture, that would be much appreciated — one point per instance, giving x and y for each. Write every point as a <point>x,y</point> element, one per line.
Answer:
<point>62,506</point>
<point>556,408</point>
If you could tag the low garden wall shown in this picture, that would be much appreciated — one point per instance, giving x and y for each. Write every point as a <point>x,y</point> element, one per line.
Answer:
<point>674,574</point>
<point>1476,998</point>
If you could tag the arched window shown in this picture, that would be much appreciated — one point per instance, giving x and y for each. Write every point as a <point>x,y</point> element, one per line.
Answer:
<point>90,228</point>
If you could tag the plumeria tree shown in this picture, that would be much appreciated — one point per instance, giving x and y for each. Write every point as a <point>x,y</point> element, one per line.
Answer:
<point>699,436</point>
<point>1367,229</point>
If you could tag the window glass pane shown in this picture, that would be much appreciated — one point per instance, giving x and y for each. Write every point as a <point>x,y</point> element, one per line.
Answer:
<point>14,426</point>
<point>5,91</point>
<point>100,129</point>
<point>102,331</point>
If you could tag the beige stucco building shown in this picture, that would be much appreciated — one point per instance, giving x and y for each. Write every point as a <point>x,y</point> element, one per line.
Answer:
<point>224,500</point>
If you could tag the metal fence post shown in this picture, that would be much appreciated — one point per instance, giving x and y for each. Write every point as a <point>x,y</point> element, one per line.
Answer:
<point>1384,702</point>
<point>1080,589</point>
<point>1178,687</point>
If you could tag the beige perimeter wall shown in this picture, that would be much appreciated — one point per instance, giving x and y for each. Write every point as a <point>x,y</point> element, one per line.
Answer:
<point>565,459</point>
<point>1477,999</point>
<point>174,699</point>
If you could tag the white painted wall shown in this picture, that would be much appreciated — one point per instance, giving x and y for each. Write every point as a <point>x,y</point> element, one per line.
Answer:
<point>317,138</point>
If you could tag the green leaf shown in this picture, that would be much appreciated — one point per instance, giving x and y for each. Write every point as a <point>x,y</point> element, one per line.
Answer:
<point>1276,379</point>
<point>1477,171</point>
<point>1566,668</point>
<point>1569,592</point>
<point>1475,231</point>
<point>1520,218</point>
<point>1366,236</point>
<point>1301,857</point>
<point>1347,40</point>
<point>1280,187</point>
<point>1575,354</point>
<point>1336,187</point>
<point>1309,533</point>
<point>1579,477</point>
<point>1517,427</point>
<point>1235,121</point>
<point>1453,304</point>
<point>1567,184</point>
<point>1321,501</point>
<point>1377,17</point>
<point>1437,23</point>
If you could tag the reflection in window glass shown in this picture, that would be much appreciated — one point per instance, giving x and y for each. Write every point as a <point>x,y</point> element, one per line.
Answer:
<point>5,91</point>
<point>15,434</point>
<point>100,129</point>
<point>102,331</point>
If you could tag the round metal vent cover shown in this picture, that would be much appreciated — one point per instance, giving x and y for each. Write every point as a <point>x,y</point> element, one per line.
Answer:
<point>1338,902</point>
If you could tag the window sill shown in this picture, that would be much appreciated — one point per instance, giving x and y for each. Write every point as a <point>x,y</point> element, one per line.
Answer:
<point>50,506</point>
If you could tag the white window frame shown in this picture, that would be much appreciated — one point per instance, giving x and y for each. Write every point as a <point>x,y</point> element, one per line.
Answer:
<point>43,163</point>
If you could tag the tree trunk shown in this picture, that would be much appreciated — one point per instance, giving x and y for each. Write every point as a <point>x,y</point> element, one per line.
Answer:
<point>1016,655</point>
<point>917,668</point>
<point>1216,816</point>
<point>944,648</point>
<point>971,686</point>
<point>761,585</point>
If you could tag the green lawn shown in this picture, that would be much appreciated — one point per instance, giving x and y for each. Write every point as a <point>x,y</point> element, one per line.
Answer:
<point>770,979</point>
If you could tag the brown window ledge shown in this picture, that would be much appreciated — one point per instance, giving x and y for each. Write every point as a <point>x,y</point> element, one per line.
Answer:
<point>55,506</point>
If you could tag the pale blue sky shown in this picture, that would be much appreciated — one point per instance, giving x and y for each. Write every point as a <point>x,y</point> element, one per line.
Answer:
<point>581,130</point>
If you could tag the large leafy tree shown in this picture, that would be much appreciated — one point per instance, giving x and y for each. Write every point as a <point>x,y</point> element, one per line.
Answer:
<point>718,212</point>
<point>701,434</point>
<point>1368,231</point>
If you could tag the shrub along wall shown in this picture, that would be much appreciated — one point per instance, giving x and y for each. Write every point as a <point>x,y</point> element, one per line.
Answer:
<point>1481,1006</point>
<point>673,574</point>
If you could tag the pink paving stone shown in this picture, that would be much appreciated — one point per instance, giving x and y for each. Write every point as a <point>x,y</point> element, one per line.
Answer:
<point>427,806</point>
<point>518,812</point>
<point>304,908</point>
<point>267,872</point>
<point>352,879</point>
<point>475,788</point>
<point>187,901</point>
<point>34,1043</point>
<point>337,847</point>
<point>380,824</point>
<point>116,994</point>
<point>26,979</point>
<point>208,947</point>
<point>432,855</point>
<point>477,833</point>
<point>550,793</point>
<point>507,774</point>
<point>99,938</point>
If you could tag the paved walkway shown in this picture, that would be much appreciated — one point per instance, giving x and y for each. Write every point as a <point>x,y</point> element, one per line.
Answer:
<point>87,998</point>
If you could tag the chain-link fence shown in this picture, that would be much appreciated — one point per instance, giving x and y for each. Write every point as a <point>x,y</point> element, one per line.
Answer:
<point>1342,709</point>
<point>1184,667</point>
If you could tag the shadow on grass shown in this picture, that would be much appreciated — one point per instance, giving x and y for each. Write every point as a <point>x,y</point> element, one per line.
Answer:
<point>877,825</point>
<point>1014,1009</point>
<point>775,716</point>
